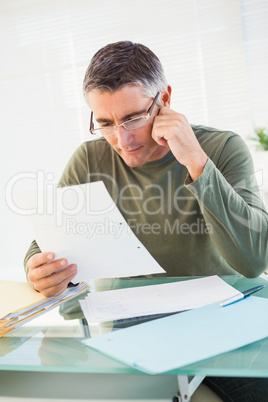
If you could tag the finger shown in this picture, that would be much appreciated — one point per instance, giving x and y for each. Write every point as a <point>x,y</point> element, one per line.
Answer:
<point>170,120</point>
<point>167,111</point>
<point>163,131</point>
<point>159,138</point>
<point>40,258</point>
<point>47,269</point>
<point>54,290</point>
<point>56,283</point>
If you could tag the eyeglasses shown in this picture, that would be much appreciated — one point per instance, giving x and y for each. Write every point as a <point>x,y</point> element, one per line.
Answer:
<point>132,124</point>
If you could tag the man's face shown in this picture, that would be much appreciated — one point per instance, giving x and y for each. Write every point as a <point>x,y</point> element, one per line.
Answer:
<point>136,147</point>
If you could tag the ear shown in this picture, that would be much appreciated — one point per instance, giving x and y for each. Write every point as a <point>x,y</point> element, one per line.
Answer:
<point>166,97</point>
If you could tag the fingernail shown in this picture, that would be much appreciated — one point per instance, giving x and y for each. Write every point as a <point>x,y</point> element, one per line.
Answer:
<point>50,256</point>
<point>63,263</point>
<point>74,269</point>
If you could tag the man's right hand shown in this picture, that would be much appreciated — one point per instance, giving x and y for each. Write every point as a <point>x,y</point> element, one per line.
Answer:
<point>49,276</point>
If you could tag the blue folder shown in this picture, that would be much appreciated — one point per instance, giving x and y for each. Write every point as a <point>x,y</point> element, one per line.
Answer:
<point>181,339</point>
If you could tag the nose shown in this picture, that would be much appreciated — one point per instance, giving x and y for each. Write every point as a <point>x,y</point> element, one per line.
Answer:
<point>124,137</point>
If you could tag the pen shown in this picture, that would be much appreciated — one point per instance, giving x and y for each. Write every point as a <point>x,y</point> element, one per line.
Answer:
<point>241,296</point>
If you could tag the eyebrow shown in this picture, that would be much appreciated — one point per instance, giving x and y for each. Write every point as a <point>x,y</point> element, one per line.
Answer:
<point>124,118</point>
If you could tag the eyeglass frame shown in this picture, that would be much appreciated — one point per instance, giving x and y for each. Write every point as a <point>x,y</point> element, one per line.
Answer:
<point>146,117</point>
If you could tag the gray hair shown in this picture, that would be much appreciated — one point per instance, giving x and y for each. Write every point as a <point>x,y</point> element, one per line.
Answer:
<point>125,63</point>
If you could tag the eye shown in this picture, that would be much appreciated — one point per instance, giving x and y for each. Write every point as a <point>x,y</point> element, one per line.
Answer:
<point>105,125</point>
<point>136,123</point>
<point>133,121</point>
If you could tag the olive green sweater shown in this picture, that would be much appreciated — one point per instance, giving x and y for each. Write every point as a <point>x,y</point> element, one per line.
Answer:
<point>214,225</point>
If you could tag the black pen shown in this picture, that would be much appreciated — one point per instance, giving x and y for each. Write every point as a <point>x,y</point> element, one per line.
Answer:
<point>240,296</point>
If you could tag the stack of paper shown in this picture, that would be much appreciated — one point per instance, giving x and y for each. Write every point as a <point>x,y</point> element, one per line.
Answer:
<point>15,294</point>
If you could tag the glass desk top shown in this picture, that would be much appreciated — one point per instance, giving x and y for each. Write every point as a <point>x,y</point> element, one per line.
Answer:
<point>53,341</point>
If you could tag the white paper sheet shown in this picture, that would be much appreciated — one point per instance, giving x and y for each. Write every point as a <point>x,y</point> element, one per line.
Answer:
<point>83,224</point>
<point>155,299</point>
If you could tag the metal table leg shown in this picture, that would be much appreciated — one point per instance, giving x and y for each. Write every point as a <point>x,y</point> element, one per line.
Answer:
<point>187,387</point>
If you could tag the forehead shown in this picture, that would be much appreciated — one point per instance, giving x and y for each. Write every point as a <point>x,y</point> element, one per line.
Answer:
<point>123,101</point>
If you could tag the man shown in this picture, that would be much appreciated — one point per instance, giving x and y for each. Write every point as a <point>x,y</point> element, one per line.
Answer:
<point>188,192</point>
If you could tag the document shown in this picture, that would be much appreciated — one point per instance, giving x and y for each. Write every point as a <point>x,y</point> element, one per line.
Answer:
<point>83,224</point>
<point>155,299</point>
<point>19,303</point>
<point>172,342</point>
<point>14,295</point>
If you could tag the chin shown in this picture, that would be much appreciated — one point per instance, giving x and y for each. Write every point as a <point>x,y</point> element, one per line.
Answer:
<point>135,160</point>
<point>133,163</point>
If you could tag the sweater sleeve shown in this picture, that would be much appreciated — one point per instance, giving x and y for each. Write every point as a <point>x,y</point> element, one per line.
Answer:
<point>33,249</point>
<point>229,199</point>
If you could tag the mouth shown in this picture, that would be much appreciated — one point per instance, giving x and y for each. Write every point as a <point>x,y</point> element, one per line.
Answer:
<point>132,150</point>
